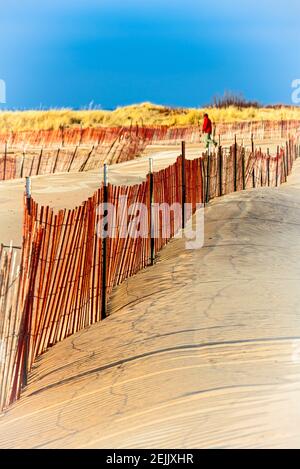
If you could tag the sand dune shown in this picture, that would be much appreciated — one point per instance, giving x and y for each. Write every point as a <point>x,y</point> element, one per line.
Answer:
<point>202,350</point>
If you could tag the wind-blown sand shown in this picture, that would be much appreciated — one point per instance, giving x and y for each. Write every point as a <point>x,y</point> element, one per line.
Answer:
<point>201,350</point>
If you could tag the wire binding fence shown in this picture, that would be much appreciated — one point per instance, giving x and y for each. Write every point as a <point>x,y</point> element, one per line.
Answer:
<point>62,137</point>
<point>29,161</point>
<point>68,270</point>
<point>74,150</point>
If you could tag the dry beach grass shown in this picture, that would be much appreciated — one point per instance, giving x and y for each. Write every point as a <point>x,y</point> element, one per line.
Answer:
<point>141,114</point>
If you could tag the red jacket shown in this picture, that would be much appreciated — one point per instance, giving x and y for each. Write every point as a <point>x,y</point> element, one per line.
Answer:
<point>207,126</point>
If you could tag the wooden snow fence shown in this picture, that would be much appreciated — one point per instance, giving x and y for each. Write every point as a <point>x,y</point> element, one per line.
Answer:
<point>71,260</point>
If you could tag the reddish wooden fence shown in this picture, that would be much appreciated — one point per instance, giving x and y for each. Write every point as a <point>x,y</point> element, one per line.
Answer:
<point>157,134</point>
<point>12,289</point>
<point>74,150</point>
<point>68,270</point>
<point>46,160</point>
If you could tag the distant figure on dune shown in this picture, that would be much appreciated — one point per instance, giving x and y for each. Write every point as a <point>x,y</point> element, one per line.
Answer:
<point>207,131</point>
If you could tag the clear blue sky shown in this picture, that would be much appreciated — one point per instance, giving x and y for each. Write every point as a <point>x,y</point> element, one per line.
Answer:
<point>181,52</point>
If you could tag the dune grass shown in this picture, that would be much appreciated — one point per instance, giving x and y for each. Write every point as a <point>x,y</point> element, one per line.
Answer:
<point>141,114</point>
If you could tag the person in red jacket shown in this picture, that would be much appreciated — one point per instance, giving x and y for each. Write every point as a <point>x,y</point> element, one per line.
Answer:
<point>207,131</point>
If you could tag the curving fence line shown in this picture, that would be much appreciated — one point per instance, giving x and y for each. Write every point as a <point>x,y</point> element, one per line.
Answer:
<point>71,261</point>
<point>74,150</point>
<point>65,136</point>
<point>18,163</point>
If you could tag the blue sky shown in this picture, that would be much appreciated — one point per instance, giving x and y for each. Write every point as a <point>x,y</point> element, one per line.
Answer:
<point>181,53</point>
